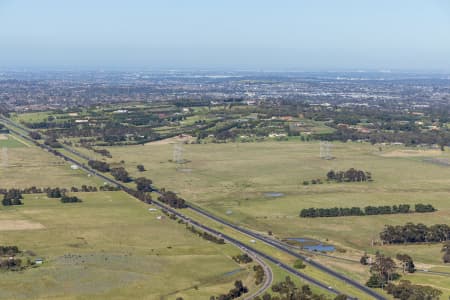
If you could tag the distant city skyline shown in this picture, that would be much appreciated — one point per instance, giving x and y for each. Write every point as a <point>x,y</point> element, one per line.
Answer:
<point>230,35</point>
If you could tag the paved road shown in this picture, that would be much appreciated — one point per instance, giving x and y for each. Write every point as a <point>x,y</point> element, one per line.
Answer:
<point>278,245</point>
<point>286,249</point>
<point>268,279</point>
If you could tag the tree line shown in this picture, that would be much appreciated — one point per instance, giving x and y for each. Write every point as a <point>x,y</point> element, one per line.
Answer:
<point>367,211</point>
<point>415,233</point>
<point>205,235</point>
<point>102,152</point>
<point>84,188</point>
<point>121,174</point>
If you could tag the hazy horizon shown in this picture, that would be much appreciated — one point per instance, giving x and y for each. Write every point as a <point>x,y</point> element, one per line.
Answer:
<point>233,35</point>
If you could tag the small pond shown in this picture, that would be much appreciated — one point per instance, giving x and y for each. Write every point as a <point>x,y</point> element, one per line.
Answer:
<point>311,245</point>
<point>273,194</point>
<point>232,272</point>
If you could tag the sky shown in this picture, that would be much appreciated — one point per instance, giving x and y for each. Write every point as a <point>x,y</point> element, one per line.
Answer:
<point>299,35</point>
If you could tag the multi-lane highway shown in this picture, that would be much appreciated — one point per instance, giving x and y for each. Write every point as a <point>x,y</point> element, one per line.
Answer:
<point>274,243</point>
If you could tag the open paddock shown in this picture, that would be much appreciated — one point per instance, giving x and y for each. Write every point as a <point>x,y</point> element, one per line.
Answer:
<point>114,239</point>
<point>232,180</point>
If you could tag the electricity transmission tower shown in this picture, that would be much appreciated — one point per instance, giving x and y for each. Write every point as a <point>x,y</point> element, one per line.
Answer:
<point>325,150</point>
<point>178,153</point>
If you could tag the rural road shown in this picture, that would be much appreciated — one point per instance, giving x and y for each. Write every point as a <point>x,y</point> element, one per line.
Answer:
<point>230,239</point>
<point>268,279</point>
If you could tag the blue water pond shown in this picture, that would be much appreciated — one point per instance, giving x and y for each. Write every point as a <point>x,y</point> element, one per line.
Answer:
<point>313,245</point>
<point>273,194</point>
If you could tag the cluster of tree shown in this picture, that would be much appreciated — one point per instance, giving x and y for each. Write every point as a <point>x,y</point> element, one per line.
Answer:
<point>421,208</point>
<point>84,188</point>
<point>236,292</point>
<point>446,250</point>
<point>102,152</point>
<point>12,197</point>
<point>259,274</point>
<point>205,235</point>
<point>367,211</point>
<point>407,263</point>
<point>287,289</point>
<point>365,259</point>
<point>9,250</point>
<point>351,175</point>
<point>35,135</point>
<point>108,187</point>
<point>52,142</point>
<point>242,258</point>
<point>143,184</point>
<point>143,196</point>
<point>406,290</point>
<point>140,168</point>
<point>313,181</point>
<point>170,198</point>
<point>299,264</point>
<point>120,174</point>
<point>382,271</point>
<point>70,199</point>
<point>415,233</point>
<point>55,193</point>
<point>99,165</point>
<point>11,264</point>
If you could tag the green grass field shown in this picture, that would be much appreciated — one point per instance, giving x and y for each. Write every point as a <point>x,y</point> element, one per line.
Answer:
<point>111,247</point>
<point>235,177</point>
<point>9,141</point>
<point>32,116</point>
<point>31,166</point>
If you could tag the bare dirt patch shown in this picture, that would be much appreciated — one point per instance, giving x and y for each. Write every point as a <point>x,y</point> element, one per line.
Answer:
<point>3,137</point>
<point>177,139</point>
<point>413,153</point>
<point>438,161</point>
<point>6,225</point>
